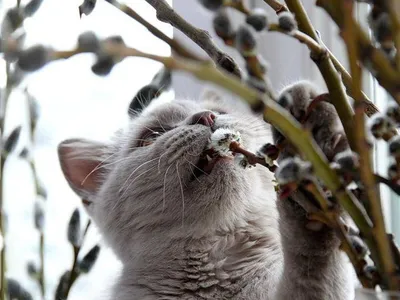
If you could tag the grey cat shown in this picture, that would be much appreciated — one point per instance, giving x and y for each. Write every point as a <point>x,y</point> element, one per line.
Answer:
<point>185,227</point>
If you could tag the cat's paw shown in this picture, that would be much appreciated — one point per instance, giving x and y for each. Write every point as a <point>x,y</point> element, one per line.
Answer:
<point>312,108</point>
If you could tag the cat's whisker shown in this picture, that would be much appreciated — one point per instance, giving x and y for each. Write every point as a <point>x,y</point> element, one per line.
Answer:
<point>182,194</point>
<point>196,167</point>
<point>159,161</point>
<point>144,172</point>
<point>99,166</point>
<point>133,172</point>
<point>191,169</point>
<point>165,179</point>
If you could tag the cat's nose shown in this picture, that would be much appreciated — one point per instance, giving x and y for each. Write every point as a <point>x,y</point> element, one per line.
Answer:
<point>205,118</point>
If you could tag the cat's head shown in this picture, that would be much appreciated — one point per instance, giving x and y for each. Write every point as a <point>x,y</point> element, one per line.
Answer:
<point>153,180</point>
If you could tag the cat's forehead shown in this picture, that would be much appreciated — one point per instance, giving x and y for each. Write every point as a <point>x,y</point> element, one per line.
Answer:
<point>178,110</point>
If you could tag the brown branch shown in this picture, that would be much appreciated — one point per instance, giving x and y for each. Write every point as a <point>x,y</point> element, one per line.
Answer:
<point>317,50</point>
<point>177,47</point>
<point>252,158</point>
<point>276,6</point>
<point>273,114</point>
<point>328,71</point>
<point>384,260</point>
<point>374,59</point>
<point>201,37</point>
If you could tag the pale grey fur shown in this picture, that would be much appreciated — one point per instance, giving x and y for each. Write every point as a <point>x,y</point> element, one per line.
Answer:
<point>322,121</point>
<point>221,236</point>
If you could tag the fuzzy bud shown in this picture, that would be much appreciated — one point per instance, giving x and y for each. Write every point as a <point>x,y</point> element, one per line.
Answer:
<point>380,125</point>
<point>222,138</point>
<point>293,169</point>
<point>394,146</point>
<point>348,161</point>
<point>39,215</point>
<point>103,65</point>
<point>24,154</point>
<point>32,270</point>
<point>286,101</point>
<point>393,112</point>
<point>88,261</point>
<point>12,21</point>
<point>268,151</point>
<point>371,272</point>
<point>34,110</point>
<point>61,291</point>
<point>258,19</point>
<point>394,171</point>
<point>34,58</point>
<point>88,42</point>
<point>287,22</point>
<point>212,5</point>
<point>358,245</point>
<point>87,7</point>
<point>222,26</point>
<point>74,229</point>
<point>16,291</point>
<point>41,190</point>
<point>381,27</point>
<point>32,7</point>
<point>12,140</point>
<point>245,39</point>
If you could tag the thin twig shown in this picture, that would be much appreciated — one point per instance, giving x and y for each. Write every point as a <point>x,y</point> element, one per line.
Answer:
<point>374,59</point>
<point>276,6</point>
<point>384,260</point>
<point>317,50</point>
<point>41,276</point>
<point>251,157</point>
<point>74,274</point>
<point>177,47</point>
<point>273,114</point>
<point>3,109</point>
<point>201,37</point>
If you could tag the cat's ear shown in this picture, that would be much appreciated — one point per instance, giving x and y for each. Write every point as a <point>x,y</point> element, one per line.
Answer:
<point>81,162</point>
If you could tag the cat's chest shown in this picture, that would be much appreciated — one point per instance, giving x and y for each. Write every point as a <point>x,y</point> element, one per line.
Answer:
<point>222,269</point>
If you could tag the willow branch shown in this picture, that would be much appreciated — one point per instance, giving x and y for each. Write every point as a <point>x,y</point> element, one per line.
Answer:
<point>317,50</point>
<point>373,59</point>
<point>273,113</point>
<point>3,108</point>
<point>327,69</point>
<point>201,37</point>
<point>177,47</point>
<point>384,260</point>
<point>276,6</point>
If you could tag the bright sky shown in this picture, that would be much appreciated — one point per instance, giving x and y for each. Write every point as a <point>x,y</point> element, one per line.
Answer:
<point>74,103</point>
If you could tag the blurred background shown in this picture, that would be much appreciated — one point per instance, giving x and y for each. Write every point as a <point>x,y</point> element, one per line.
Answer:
<point>76,103</point>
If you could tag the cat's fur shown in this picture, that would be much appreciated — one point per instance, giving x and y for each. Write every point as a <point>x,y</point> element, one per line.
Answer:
<point>220,236</point>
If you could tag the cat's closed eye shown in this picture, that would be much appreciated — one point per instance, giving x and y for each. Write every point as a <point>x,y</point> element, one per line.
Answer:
<point>149,135</point>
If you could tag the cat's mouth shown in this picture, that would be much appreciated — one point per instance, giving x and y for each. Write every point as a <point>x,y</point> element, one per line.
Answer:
<point>207,161</point>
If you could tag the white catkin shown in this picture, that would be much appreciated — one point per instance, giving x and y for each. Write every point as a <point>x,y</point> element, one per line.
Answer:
<point>222,138</point>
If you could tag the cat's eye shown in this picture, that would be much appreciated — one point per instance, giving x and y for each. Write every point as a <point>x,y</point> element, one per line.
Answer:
<point>150,135</point>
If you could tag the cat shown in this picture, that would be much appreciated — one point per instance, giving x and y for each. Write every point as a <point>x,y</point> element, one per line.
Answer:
<point>187,228</point>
